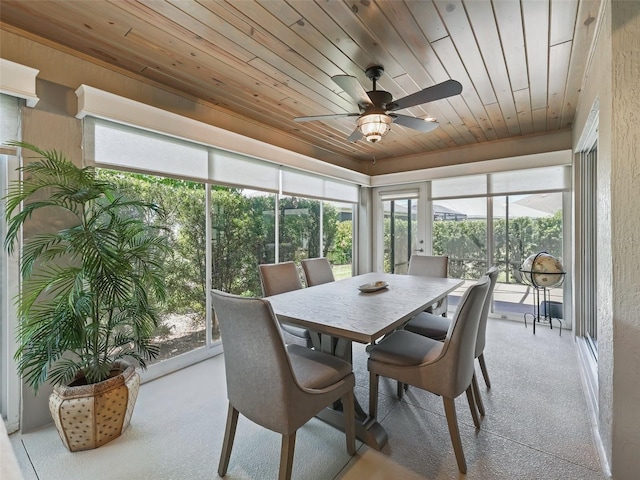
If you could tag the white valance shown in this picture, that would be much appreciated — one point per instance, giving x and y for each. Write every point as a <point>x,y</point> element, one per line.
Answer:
<point>18,81</point>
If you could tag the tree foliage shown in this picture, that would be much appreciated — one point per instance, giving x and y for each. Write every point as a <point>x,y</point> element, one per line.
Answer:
<point>342,251</point>
<point>242,236</point>
<point>465,243</point>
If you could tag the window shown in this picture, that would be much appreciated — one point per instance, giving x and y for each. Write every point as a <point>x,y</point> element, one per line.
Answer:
<point>313,228</point>
<point>300,225</point>
<point>7,292</point>
<point>524,225</point>
<point>242,236</point>
<point>222,220</point>
<point>588,280</point>
<point>182,326</point>
<point>337,237</point>
<point>460,231</point>
<point>500,219</point>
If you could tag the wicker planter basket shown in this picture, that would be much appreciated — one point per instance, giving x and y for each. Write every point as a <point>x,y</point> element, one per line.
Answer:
<point>89,416</point>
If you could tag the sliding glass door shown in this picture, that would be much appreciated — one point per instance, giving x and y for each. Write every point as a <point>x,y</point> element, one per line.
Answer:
<point>400,227</point>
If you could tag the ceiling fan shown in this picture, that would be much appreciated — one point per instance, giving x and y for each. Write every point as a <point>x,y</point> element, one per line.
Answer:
<point>377,107</point>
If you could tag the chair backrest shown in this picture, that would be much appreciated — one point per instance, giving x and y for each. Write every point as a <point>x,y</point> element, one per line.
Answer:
<point>492,273</point>
<point>317,271</point>
<point>458,351</point>
<point>258,369</point>
<point>279,278</point>
<point>429,265</point>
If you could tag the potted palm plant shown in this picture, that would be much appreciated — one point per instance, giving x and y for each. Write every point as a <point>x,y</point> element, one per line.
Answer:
<point>88,301</point>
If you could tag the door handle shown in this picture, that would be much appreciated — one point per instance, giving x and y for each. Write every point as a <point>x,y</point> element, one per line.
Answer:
<point>419,250</point>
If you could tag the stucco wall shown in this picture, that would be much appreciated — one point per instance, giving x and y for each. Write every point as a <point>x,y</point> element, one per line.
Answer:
<point>625,237</point>
<point>613,79</point>
<point>598,86</point>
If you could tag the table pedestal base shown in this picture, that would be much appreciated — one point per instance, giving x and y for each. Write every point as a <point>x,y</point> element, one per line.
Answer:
<point>369,431</point>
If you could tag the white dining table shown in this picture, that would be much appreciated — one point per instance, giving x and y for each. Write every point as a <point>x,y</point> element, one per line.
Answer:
<point>339,313</point>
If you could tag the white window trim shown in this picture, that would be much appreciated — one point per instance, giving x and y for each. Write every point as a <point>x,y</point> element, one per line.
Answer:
<point>18,81</point>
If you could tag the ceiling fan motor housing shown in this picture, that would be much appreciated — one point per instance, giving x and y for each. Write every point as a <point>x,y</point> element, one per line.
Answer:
<point>380,99</point>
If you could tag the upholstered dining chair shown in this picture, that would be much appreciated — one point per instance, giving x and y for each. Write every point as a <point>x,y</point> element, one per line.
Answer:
<point>276,386</point>
<point>280,278</point>
<point>444,368</point>
<point>431,266</point>
<point>317,271</point>
<point>436,327</point>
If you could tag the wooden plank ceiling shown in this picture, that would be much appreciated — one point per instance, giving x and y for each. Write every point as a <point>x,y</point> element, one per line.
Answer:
<point>521,63</point>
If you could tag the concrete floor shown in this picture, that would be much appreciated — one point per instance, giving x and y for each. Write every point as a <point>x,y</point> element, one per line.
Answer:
<point>536,427</point>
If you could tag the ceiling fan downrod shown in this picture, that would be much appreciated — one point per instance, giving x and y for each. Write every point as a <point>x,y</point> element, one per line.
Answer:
<point>374,73</point>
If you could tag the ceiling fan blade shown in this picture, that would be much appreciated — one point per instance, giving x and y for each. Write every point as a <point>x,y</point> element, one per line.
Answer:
<point>429,94</point>
<point>325,117</point>
<point>355,136</point>
<point>413,122</point>
<point>354,89</point>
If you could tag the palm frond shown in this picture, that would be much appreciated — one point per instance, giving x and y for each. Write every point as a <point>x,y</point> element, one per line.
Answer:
<point>89,289</point>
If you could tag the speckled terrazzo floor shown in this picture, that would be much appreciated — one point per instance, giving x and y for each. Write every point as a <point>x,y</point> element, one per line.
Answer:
<point>536,427</point>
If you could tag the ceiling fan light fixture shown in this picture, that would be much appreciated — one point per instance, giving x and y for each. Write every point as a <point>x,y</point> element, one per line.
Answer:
<point>374,126</point>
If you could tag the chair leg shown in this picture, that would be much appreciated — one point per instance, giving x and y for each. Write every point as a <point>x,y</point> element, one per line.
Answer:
<point>373,394</point>
<point>452,423</point>
<point>483,367</point>
<point>349,413</point>
<point>477,396</point>
<point>286,456</point>
<point>472,406</point>
<point>227,445</point>
<point>400,390</point>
